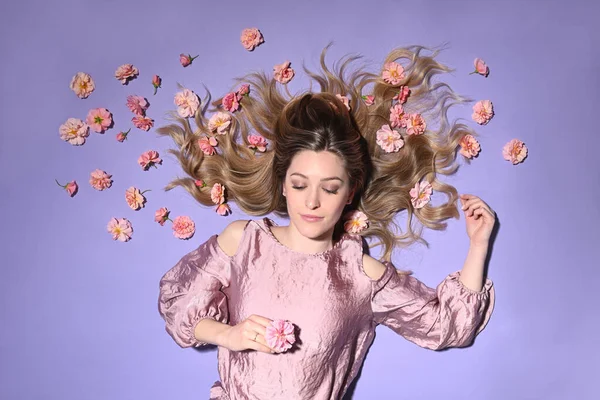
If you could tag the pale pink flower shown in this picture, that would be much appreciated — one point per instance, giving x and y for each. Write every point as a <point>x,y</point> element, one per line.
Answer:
<point>480,67</point>
<point>186,60</point>
<point>82,84</point>
<point>257,143</point>
<point>187,103</point>
<point>469,146</point>
<point>70,187</point>
<point>396,115</point>
<point>223,209</point>
<point>389,139</point>
<point>402,95</point>
<point>230,102</point>
<point>483,111</point>
<point>120,229</point>
<point>217,193</point>
<point>74,131</point>
<point>250,38</point>
<point>393,73</point>
<point>344,100</point>
<point>156,81</point>
<point>161,215</point>
<point>356,222</point>
<point>143,123</point>
<point>219,123</point>
<point>137,104</point>
<point>183,227</point>
<point>200,183</point>
<point>514,151</point>
<point>126,72</point>
<point>149,159</point>
<point>135,199</point>
<point>121,136</point>
<point>420,195</point>
<point>208,144</point>
<point>100,180</point>
<point>369,99</point>
<point>244,90</point>
<point>283,73</point>
<point>415,124</point>
<point>280,335</point>
<point>99,119</point>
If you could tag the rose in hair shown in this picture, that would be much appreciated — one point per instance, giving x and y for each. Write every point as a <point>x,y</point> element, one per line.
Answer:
<point>283,73</point>
<point>420,194</point>
<point>389,139</point>
<point>469,146</point>
<point>393,73</point>
<point>356,222</point>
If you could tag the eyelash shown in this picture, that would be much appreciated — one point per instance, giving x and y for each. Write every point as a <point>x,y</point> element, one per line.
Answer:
<point>303,187</point>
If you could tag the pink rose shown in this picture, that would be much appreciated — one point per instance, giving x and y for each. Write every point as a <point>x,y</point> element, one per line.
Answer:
<point>514,151</point>
<point>415,124</point>
<point>369,100</point>
<point>99,119</point>
<point>283,73</point>
<point>469,146</point>
<point>244,90</point>
<point>149,159</point>
<point>183,227</point>
<point>134,198</point>
<point>480,67</point>
<point>143,123</point>
<point>483,111</point>
<point>156,81</point>
<point>126,72</point>
<point>396,114</point>
<point>186,60</point>
<point>389,140</point>
<point>187,103</point>
<point>393,73</point>
<point>402,95</point>
<point>217,193</point>
<point>280,335</point>
<point>257,143</point>
<point>70,187</point>
<point>344,100</point>
<point>137,104</point>
<point>230,102</point>
<point>82,84</point>
<point>207,145</point>
<point>250,38</point>
<point>420,195</point>
<point>356,222</point>
<point>121,136</point>
<point>200,183</point>
<point>220,123</point>
<point>120,229</point>
<point>100,180</point>
<point>161,215</point>
<point>74,131</point>
<point>223,209</point>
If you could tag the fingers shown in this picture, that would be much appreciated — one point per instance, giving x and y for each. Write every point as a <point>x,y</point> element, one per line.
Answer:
<point>260,320</point>
<point>471,203</point>
<point>257,342</point>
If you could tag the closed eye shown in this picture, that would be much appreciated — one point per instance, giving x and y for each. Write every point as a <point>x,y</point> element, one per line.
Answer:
<point>326,190</point>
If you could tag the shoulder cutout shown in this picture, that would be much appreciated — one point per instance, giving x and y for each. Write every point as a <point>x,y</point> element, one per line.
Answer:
<point>373,268</point>
<point>230,238</point>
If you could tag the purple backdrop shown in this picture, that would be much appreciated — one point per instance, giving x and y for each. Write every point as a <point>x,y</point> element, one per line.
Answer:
<point>79,318</point>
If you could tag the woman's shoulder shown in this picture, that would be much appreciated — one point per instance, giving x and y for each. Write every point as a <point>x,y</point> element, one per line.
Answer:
<point>373,269</point>
<point>231,236</point>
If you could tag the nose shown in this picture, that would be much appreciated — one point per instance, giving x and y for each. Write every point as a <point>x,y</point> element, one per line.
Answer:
<point>312,200</point>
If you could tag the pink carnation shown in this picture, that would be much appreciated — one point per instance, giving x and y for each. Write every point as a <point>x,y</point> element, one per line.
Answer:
<point>183,227</point>
<point>402,95</point>
<point>74,131</point>
<point>217,193</point>
<point>99,119</point>
<point>469,146</point>
<point>161,215</point>
<point>120,229</point>
<point>356,222</point>
<point>223,209</point>
<point>393,73</point>
<point>219,122</point>
<point>143,123</point>
<point>149,159</point>
<point>396,116</point>
<point>283,73</point>
<point>134,198</point>
<point>207,145</point>
<point>415,124</point>
<point>480,67</point>
<point>280,335</point>
<point>389,140</point>
<point>187,103</point>
<point>257,143</point>
<point>100,180</point>
<point>126,72</point>
<point>250,38</point>
<point>483,111</point>
<point>369,99</point>
<point>137,104</point>
<point>82,84</point>
<point>420,195</point>
<point>230,102</point>
<point>514,151</point>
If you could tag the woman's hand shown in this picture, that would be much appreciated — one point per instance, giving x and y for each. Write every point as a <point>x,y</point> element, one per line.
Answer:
<point>480,219</point>
<point>247,335</point>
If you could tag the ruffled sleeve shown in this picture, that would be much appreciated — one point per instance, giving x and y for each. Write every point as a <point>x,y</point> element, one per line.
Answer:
<point>449,316</point>
<point>192,291</point>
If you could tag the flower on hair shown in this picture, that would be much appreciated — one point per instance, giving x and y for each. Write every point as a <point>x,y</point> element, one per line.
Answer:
<point>99,119</point>
<point>74,131</point>
<point>120,229</point>
<point>100,180</point>
<point>415,124</point>
<point>186,60</point>
<point>344,99</point>
<point>143,123</point>
<point>483,111</point>
<point>469,146</point>
<point>243,90</point>
<point>250,38</point>
<point>230,102</point>
<point>393,73</point>
<point>420,194</point>
<point>480,67</point>
<point>389,139</point>
<point>396,116</point>
<point>219,123</point>
<point>280,335</point>
<point>149,159</point>
<point>514,151</point>
<point>187,103</point>
<point>161,215</point>
<point>283,73</point>
<point>356,221</point>
<point>200,183</point>
<point>402,95</point>
<point>70,187</point>
<point>135,198</point>
<point>369,99</point>
<point>257,143</point>
<point>126,72</point>
<point>156,82</point>
<point>223,209</point>
<point>217,193</point>
<point>82,84</point>
<point>207,145</point>
<point>137,104</point>
<point>121,136</point>
<point>183,227</point>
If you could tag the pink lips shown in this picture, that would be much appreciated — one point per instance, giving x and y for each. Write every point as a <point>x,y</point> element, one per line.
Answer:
<point>311,218</point>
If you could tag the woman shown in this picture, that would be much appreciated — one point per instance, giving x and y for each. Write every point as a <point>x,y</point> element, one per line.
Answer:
<point>327,156</point>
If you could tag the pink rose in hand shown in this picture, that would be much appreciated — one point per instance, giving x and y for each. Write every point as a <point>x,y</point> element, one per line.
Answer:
<point>121,136</point>
<point>183,227</point>
<point>280,335</point>
<point>143,123</point>
<point>82,84</point>
<point>250,38</point>
<point>149,159</point>
<point>283,73</point>
<point>186,60</point>
<point>100,180</point>
<point>356,222</point>
<point>99,119</point>
<point>120,229</point>
<point>420,195</point>
<point>74,131</point>
<point>483,111</point>
<point>231,102</point>
<point>137,104</point>
<point>514,151</point>
<point>156,81</point>
<point>126,72</point>
<point>480,67</point>
<point>70,187</point>
<point>161,215</point>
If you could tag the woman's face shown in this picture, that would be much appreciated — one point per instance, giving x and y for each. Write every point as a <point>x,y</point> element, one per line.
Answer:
<point>316,188</point>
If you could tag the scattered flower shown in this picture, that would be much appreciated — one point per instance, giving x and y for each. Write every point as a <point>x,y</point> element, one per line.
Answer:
<point>393,73</point>
<point>483,111</point>
<point>121,136</point>
<point>257,143</point>
<point>344,100</point>
<point>230,102</point>
<point>99,119</point>
<point>283,73</point>
<point>186,60</point>
<point>149,159</point>
<point>280,335</point>
<point>514,151</point>
<point>183,227</point>
<point>402,95</point>
<point>82,84</point>
<point>208,144</point>
<point>250,38</point>
<point>135,199</point>
<point>187,103</point>
<point>126,72</point>
<point>223,209</point>
<point>356,222</point>
<point>74,131</point>
<point>100,180</point>
<point>219,122</point>
<point>415,124</point>
<point>137,104</point>
<point>156,81</point>
<point>469,146</point>
<point>244,90</point>
<point>480,67</point>
<point>217,193</point>
<point>161,216</point>
<point>420,195</point>
<point>389,139</point>
<point>120,229</point>
<point>143,123</point>
<point>369,99</point>
<point>396,116</point>
<point>200,183</point>
<point>70,187</point>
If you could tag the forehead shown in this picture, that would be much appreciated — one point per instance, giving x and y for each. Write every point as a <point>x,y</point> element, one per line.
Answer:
<point>317,164</point>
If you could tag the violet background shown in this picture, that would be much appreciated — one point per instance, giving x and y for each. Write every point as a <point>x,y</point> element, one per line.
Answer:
<point>79,318</point>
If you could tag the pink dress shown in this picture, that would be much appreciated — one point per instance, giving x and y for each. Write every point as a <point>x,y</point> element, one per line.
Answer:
<point>334,305</point>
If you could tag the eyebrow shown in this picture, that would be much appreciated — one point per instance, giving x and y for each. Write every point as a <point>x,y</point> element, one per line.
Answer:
<point>331,178</point>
